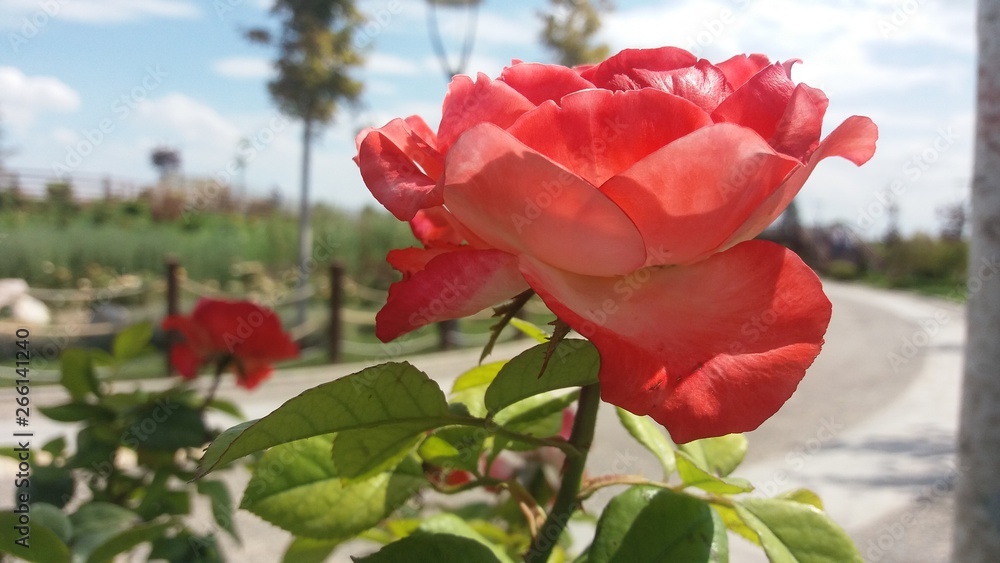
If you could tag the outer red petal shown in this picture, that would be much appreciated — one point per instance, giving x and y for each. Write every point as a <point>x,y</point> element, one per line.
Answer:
<point>599,133</point>
<point>519,201</point>
<point>468,103</point>
<point>740,68</point>
<point>542,82</point>
<point>244,329</point>
<point>760,103</point>
<point>185,360</point>
<point>250,373</point>
<point>854,139</point>
<point>798,131</point>
<point>409,261</point>
<point>688,197</point>
<point>452,285</point>
<point>394,179</point>
<point>706,350</point>
<point>435,226</point>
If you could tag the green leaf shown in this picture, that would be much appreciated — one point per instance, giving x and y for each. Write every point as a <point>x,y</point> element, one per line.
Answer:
<point>222,504</point>
<point>540,416</point>
<point>95,449</point>
<point>77,411</point>
<point>385,394</point>
<point>804,496</point>
<point>573,364</point>
<point>166,425</point>
<point>719,552</point>
<point>363,452</point>
<point>652,437</point>
<point>530,329</point>
<point>132,341</point>
<point>227,407</point>
<point>55,447</point>
<point>454,447</point>
<point>126,541</point>
<point>652,525</point>
<point>470,387</point>
<point>432,548</point>
<point>455,526</point>
<point>719,456</point>
<point>296,487</point>
<point>51,517</point>
<point>43,545</point>
<point>794,532</point>
<point>308,550</point>
<point>78,375</point>
<point>52,484</point>
<point>694,476</point>
<point>734,523</point>
<point>96,522</point>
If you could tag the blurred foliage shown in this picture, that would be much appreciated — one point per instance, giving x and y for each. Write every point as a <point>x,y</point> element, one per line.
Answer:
<point>569,29</point>
<point>56,247</point>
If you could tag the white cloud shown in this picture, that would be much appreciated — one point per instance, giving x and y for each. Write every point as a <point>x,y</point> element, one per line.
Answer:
<point>243,67</point>
<point>15,12</point>
<point>385,64</point>
<point>185,119</point>
<point>23,97</point>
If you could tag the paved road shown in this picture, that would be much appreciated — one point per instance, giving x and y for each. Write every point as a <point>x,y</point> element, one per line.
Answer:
<point>871,428</point>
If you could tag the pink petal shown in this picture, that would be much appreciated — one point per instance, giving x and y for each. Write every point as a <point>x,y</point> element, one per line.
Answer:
<point>452,285</point>
<point>521,202</point>
<point>702,84</point>
<point>618,72</point>
<point>798,131</point>
<point>689,197</point>
<point>468,103</point>
<point>542,82</point>
<point>740,68</point>
<point>394,179</point>
<point>409,261</point>
<point>435,226</point>
<point>599,133</point>
<point>854,139</point>
<point>414,138</point>
<point>706,350</point>
<point>760,103</point>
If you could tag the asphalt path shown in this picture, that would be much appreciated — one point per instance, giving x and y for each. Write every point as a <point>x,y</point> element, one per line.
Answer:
<point>871,429</point>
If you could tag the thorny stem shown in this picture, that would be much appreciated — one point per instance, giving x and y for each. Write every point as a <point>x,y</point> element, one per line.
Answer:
<point>566,502</point>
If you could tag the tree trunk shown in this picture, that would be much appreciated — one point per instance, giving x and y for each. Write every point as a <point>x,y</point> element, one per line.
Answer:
<point>977,521</point>
<point>305,229</point>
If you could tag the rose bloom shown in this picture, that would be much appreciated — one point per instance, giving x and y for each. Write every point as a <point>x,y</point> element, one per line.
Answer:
<point>246,338</point>
<point>627,195</point>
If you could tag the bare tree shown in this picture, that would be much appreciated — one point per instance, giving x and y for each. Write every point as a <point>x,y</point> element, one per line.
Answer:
<point>977,521</point>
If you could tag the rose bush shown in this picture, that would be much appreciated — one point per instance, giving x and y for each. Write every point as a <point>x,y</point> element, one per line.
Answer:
<point>626,195</point>
<point>240,336</point>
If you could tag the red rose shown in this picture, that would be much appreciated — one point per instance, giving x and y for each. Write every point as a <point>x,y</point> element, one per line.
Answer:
<point>246,337</point>
<point>625,194</point>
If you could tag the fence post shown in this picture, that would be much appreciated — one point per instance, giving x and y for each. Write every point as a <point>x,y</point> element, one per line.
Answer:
<point>173,302</point>
<point>336,302</point>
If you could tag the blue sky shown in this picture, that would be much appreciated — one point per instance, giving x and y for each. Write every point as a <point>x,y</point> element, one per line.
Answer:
<point>116,78</point>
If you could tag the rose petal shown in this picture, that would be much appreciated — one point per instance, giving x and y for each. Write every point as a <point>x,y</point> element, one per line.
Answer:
<point>618,72</point>
<point>542,82</point>
<point>799,129</point>
<point>185,360</point>
<point>706,350</point>
<point>435,226</point>
<point>468,103</point>
<point>250,373</point>
<point>689,197</point>
<point>409,261</point>
<point>854,139</point>
<point>414,139</point>
<point>394,179</point>
<point>740,68</point>
<point>244,329</point>
<point>452,285</point>
<point>598,133</point>
<point>519,201</point>
<point>760,103</point>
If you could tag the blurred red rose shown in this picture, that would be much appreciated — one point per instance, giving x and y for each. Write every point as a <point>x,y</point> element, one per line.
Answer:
<point>626,194</point>
<point>246,337</point>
